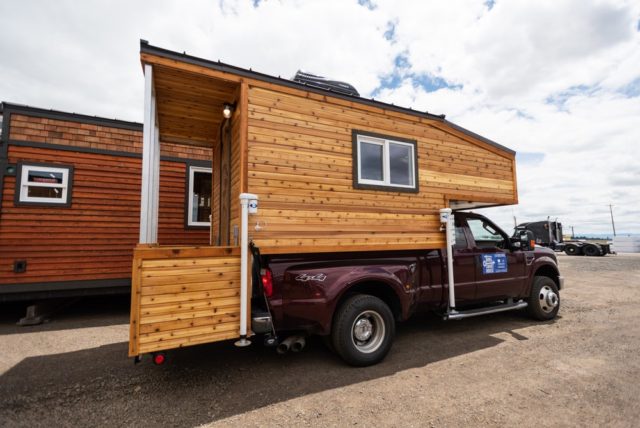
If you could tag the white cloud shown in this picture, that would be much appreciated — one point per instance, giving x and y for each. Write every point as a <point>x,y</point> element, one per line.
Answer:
<point>507,63</point>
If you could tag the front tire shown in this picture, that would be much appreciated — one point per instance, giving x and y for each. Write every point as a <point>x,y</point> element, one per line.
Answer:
<point>544,300</point>
<point>363,330</point>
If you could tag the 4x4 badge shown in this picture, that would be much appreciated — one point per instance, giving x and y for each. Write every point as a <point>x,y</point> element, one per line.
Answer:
<point>303,277</point>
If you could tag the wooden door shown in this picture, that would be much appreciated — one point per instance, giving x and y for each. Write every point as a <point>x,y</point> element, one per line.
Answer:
<point>225,183</point>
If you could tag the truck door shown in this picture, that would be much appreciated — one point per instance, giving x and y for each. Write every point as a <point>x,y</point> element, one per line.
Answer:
<point>463,265</point>
<point>499,272</point>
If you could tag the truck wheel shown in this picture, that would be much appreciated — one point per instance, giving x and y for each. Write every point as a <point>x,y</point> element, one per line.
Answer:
<point>571,250</point>
<point>591,251</point>
<point>363,330</point>
<point>544,301</point>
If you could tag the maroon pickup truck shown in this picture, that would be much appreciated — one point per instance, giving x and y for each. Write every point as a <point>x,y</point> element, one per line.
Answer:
<point>355,299</point>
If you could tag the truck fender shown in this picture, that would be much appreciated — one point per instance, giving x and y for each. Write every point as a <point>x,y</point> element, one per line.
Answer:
<point>383,284</point>
<point>544,266</point>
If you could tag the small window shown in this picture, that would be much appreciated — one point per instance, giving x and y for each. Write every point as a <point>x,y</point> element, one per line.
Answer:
<point>40,184</point>
<point>199,197</point>
<point>384,163</point>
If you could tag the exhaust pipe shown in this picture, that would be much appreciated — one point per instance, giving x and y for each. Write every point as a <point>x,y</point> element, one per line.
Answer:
<point>298,344</point>
<point>285,345</point>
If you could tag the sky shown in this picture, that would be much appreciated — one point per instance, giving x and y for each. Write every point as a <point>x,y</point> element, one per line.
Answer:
<point>558,81</point>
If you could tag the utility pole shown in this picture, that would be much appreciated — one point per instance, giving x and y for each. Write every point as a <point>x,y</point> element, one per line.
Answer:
<point>612,223</point>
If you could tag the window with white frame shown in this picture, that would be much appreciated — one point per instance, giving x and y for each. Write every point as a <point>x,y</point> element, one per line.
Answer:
<point>384,163</point>
<point>199,196</point>
<point>41,184</point>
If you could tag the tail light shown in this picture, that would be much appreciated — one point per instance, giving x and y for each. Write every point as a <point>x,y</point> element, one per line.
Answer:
<point>267,282</point>
<point>159,358</point>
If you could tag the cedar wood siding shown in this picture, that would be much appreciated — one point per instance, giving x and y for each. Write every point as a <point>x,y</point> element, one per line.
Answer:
<point>94,238</point>
<point>300,164</point>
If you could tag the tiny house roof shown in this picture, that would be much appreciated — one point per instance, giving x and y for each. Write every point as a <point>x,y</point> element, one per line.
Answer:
<point>147,49</point>
<point>10,107</point>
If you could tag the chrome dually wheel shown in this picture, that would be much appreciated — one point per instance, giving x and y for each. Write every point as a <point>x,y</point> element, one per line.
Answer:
<point>544,300</point>
<point>368,331</point>
<point>363,330</point>
<point>548,299</point>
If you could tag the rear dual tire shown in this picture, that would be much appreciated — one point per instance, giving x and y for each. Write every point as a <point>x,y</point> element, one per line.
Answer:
<point>571,250</point>
<point>591,251</point>
<point>363,330</point>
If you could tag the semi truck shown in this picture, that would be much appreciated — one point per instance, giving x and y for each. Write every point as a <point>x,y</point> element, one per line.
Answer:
<point>548,233</point>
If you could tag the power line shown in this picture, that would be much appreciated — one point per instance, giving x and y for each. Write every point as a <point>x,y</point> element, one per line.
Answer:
<point>612,223</point>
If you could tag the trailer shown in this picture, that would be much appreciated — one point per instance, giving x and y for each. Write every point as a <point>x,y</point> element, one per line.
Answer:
<point>548,233</point>
<point>298,168</point>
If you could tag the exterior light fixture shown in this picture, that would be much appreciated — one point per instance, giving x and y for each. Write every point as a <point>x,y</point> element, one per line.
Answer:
<point>227,110</point>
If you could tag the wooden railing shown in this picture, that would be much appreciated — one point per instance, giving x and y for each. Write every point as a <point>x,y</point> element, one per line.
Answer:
<point>183,296</point>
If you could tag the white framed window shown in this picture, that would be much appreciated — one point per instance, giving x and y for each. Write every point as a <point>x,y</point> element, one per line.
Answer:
<point>43,184</point>
<point>385,163</point>
<point>199,196</point>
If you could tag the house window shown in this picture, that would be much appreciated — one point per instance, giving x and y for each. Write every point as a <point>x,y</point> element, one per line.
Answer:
<point>199,197</point>
<point>384,163</point>
<point>43,184</point>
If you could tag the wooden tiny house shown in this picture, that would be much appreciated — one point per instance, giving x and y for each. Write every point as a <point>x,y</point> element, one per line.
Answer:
<point>82,242</point>
<point>332,173</point>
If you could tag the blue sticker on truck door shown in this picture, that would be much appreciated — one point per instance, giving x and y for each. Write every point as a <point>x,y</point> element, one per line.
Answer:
<point>494,263</point>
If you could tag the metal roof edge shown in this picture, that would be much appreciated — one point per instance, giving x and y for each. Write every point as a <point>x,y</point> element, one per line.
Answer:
<point>63,115</point>
<point>479,137</point>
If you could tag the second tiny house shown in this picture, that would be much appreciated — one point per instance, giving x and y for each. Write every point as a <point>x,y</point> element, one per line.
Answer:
<point>331,173</point>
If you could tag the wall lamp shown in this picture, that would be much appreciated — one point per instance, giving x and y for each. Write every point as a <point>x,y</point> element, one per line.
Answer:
<point>227,110</point>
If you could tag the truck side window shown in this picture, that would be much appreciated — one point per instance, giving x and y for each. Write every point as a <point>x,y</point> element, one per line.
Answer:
<point>484,234</point>
<point>461,239</point>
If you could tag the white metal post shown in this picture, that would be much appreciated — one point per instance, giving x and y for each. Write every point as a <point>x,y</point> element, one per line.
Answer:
<point>150,190</point>
<point>245,199</point>
<point>446,217</point>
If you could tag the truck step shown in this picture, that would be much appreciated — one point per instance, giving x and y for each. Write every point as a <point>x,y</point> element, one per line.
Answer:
<point>509,306</point>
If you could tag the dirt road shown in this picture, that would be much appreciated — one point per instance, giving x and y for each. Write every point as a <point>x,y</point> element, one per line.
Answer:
<point>583,369</point>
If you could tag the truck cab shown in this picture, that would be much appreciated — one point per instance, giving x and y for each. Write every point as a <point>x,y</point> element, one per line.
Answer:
<point>486,266</point>
<point>355,299</point>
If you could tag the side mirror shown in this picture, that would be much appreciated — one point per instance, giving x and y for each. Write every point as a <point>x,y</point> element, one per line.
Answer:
<point>525,241</point>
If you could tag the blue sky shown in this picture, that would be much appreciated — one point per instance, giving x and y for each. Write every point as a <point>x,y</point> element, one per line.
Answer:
<point>557,81</point>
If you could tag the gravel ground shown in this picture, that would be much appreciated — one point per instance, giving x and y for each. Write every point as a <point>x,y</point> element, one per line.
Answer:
<point>583,369</point>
